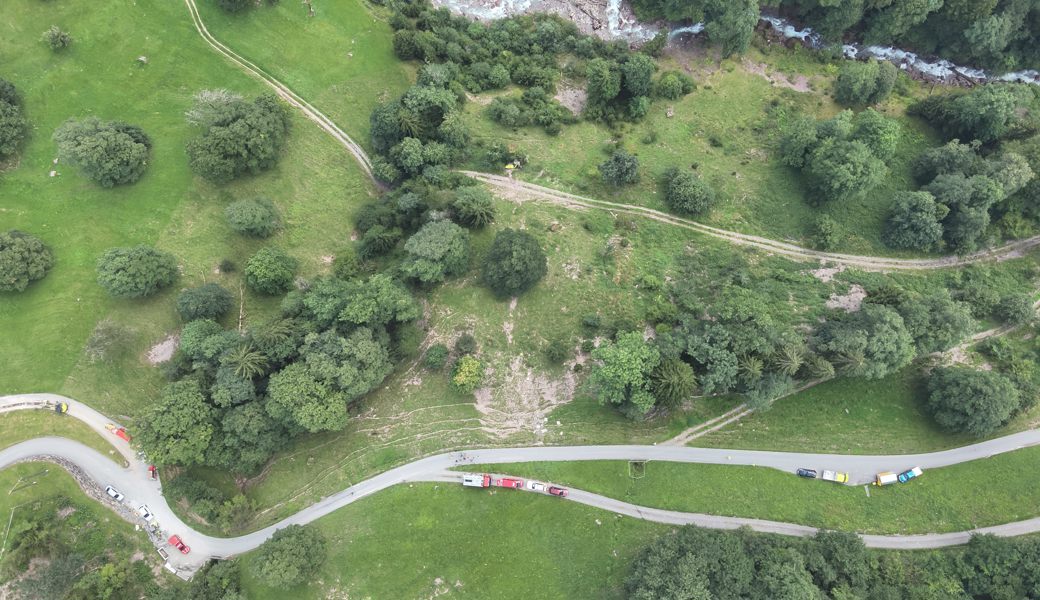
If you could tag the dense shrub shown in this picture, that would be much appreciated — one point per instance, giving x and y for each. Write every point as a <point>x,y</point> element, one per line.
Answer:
<point>108,153</point>
<point>23,260</point>
<point>514,263</point>
<point>436,356</point>
<point>864,82</point>
<point>135,272</point>
<point>207,301</point>
<point>915,221</point>
<point>466,344</point>
<point>270,271</point>
<point>473,207</point>
<point>620,169</point>
<point>290,557</point>
<point>467,374</point>
<point>256,217</point>
<point>688,194</point>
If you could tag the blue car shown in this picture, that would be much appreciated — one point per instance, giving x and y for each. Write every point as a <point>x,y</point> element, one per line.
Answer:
<point>908,475</point>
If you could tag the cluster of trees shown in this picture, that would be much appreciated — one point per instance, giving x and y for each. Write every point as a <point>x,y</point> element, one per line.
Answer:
<point>987,113</point>
<point>534,107</point>
<point>840,158</point>
<point>13,124</point>
<point>109,153</point>
<point>423,129</point>
<point>694,563</point>
<point>729,24</point>
<point>237,397</point>
<point>721,331</point>
<point>995,35</point>
<point>963,191</point>
<point>238,136</point>
<point>24,258</point>
<point>621,89</point>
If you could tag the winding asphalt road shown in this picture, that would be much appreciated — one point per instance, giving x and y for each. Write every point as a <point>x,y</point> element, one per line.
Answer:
<point>518,189</point>
<point>134,482</point>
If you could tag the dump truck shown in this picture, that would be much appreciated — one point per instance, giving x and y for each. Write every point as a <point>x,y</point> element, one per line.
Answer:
<point>886,478</point>
<point>835,476</point>
<point>482,480</point>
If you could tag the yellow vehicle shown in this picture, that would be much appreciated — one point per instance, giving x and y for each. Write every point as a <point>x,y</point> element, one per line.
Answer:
<point>61,407</point>
<point>836,476</point>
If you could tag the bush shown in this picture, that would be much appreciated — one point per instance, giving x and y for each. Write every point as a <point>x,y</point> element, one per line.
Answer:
<point>57,39</point>
<point>12,124</point>
<point>473,207</point>
<point>467,374</point>
<point>688,194</point>
<point>208,301</point>
<point>234,6</point>
<point>514,263</point>
<point>108,153</point>
<point>826,233</point>
<point>256,217</point>
<point>270,271</point>
<point>672,85</point>
<point>240,137</point>
<point>466,344</point>
<point>557,351</point>
<point>620,169</point>
<point>436,356</point>
<point>291,557</point>
<point>135,272</point>
<point>23,260</point>
<point>1015,309</point>
<point>964,400</point>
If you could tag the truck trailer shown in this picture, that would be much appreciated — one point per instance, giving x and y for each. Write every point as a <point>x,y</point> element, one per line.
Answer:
<point>886,478</point>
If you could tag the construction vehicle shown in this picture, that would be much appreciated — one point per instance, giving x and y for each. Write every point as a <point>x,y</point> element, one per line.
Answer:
<point>835,476</point>
<point>886,478</point>
<point>61,408</point>
<point>906,476</point>
<point>476,480</point>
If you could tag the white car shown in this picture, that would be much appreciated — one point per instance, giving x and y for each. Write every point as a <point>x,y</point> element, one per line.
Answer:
<point>115,495</point>
<point>145,513</point>
<point>534,486</point>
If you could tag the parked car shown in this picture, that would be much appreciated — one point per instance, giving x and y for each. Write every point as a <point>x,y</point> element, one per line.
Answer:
<point>111,491</point>
<point>534,486</point>
<point>810,473</point>
<point>910,474</point>
<point>145,513</point>
<point>557,491</point>
<point>509,482</point>
<point>176,542</point>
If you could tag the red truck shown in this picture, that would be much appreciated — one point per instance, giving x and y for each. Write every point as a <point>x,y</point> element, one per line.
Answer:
<point>119,432</point>
<point>509,482</point>
<point>476,480</point>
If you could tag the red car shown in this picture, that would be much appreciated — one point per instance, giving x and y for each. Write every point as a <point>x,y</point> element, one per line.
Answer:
<point>176,542</point>
<point>508,482</point>
<point>557,491</point>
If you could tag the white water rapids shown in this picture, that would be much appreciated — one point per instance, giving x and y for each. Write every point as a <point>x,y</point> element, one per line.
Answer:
<point>621,24</point>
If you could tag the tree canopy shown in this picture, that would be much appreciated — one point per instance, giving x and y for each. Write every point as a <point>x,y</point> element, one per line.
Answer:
<point>290,557</point>
<point>964,400</point>
<point>178,430</point>
<point>688,194</point>
<point>915,221</point>
<point>620,169</point>
<point>135,272</point>
<point>864,83</point>
<point>108,153</point>
<point>13,124</point>
<point>621,373</point>
<point>514,263</point>
<point>24,258</point>
<point>437,251</point>
<point>872,342</point>
<point>238,136</point>
<point>270,271</point>
<point>207,301</point>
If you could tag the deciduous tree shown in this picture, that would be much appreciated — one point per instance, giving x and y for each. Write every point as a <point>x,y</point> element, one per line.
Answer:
<point>514,263</point>
<point>135,272</point>
<point>24,258</point>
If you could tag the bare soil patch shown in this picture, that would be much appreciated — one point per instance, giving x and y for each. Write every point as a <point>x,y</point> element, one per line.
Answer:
<point>799,84</point>
<point>849,302</point>
<point>163,351</point>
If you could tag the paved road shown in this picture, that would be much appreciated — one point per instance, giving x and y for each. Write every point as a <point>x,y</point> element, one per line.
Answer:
<point>513,188</point>
<point>139,489</point>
